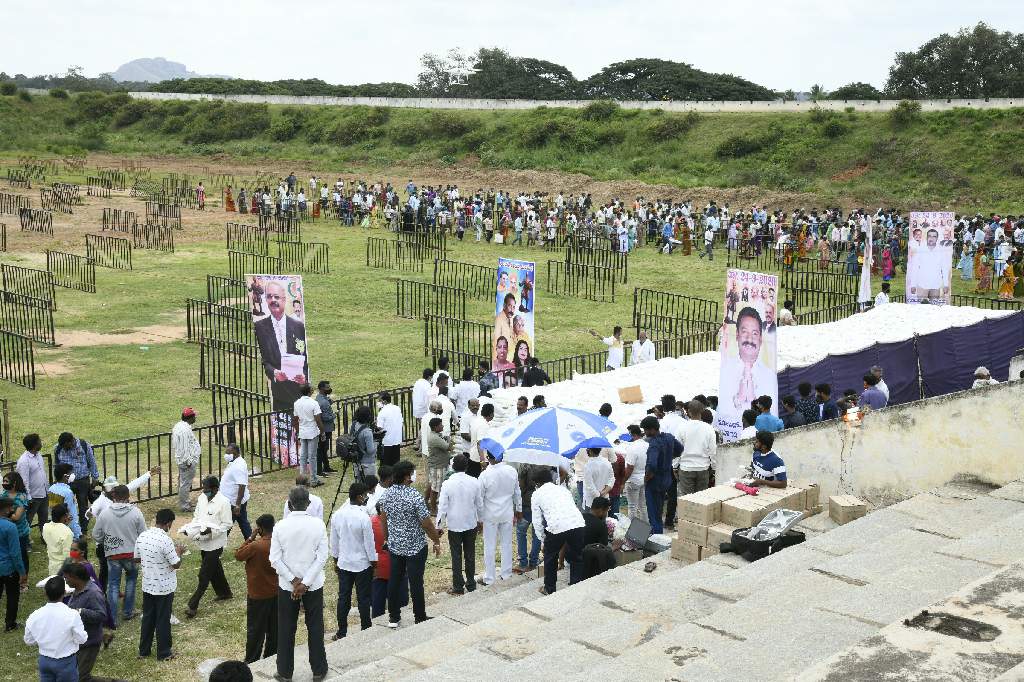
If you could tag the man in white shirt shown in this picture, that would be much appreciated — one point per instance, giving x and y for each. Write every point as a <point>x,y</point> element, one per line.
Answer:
<point>502,507</point>
<point>306,423</point>
<point>298,552</point>
<point>461,507</point>
<point>635,455</point>
<point>598,477</point>
<point>389,419</point>
<point>643,349</point>
<point>421,393</point>
<point>351,545</point>
<point>234,485</point>
<point>159,558</point>
<point>464,391</point>
<point>616,347</point>
<point>671,420</point>
<point>700,449</point>
<point>881,386</point>
<point>58,632</point>
<point>316,505</point>
<point>186,449</point>
<point>558,523</point>
<point>464,438</point>
<point>213,520</point>
<point>481,427</point>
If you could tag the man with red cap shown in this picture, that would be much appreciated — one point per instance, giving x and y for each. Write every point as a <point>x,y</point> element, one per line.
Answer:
<point>186,449</point>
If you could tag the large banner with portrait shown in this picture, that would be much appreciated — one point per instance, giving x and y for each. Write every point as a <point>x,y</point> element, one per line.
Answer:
<point>748,348</point>
<point>930,257</point>
<point>515,301</point>
<point>276,303</point>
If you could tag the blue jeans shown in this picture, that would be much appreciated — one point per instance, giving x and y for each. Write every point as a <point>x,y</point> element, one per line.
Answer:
<point>131,572</point>
<point>307,457</point>
<point>655,506</point>
<point>379,596</point>
<point>243,520</point>
<point>58,669</point>
<point>616,501</point>
<point>521,527</point>
<point>579,494</point>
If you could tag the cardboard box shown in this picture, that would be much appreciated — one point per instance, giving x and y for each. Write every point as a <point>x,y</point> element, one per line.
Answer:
<point>630,395</point>
<point>813,492</point>
<point>685,551</point>
<point>692,532</point>
<point>719,533</point>
<point>791,497</point>
<point>709,551</point>
<point>705,508</point>
<point>845,508</point>
<point>748,510</point>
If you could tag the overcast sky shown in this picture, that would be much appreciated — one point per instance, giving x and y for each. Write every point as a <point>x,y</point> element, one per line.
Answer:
<point>782,44</point>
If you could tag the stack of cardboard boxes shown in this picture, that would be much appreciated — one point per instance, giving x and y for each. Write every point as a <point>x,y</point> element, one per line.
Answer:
<point>706,519</point>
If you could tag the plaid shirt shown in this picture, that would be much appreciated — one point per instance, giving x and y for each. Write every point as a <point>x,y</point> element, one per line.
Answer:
<point>80,457</point>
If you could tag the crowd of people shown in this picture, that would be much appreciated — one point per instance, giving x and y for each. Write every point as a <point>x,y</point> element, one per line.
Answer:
<point>987,248</point>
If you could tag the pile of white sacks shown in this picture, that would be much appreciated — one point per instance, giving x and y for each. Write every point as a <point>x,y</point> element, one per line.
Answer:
<point>694,374</point>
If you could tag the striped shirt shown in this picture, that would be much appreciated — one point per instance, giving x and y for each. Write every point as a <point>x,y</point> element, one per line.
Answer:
<point>769,466</point>
<point>156,549</point>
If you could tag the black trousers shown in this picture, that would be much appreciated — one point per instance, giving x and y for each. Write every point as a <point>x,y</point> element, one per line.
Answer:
<point>672,501</point>
<point>211,571</point>
<point>81,488</point>
<point>156,618</point>
<point>572,540</point>
<point>260,628</point>
<point>11,584</point>
<point>101,558</point>
<point>39,508</point>
<point>389,454</point>
<point>362,581</point>
<point>463,546</point>
<point>323,452</point>
<point>410,567</point>
<point>288,622</point>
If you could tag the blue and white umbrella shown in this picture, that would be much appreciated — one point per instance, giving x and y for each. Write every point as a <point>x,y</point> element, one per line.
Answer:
<point>549,436</point>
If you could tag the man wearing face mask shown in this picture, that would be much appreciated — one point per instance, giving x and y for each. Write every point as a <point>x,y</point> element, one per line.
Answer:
<point>327,416</point>
<point>213,515</point>
<point>77,453</point>
<point>234,485</point>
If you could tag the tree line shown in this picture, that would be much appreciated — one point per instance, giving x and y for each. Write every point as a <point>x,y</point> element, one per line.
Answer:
<point>972,63</point>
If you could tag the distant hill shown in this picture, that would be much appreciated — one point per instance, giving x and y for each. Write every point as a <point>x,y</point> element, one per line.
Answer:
<point>153,70</point>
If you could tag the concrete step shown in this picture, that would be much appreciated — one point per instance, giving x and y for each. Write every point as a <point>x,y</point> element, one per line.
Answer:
<point>917,654</point>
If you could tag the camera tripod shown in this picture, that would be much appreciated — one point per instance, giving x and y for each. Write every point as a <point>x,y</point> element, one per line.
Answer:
<point>358,477</point>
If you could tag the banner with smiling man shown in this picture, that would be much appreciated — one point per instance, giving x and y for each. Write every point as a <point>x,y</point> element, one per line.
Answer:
<point>512,343</point>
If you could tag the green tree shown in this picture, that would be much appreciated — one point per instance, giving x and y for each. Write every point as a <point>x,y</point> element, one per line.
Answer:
<point>975,62</point>
<point>497,74</point>
<point>658,79</point>
<point>817,92</point>
<point>443,75</point>
<point>856,91</point>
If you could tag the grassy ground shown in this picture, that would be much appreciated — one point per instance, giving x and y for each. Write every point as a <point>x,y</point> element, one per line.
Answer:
<point>962,159</point>
<point>123,369</point>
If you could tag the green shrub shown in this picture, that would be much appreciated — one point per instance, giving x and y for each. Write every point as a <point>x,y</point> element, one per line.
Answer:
<point>639,165</point>
<point>609,134</point>
<point>600,110</point>
<point>133,112</point>
<point>818,115</point>
<point>290,122</point>
<point>409,132</point>
<point>57,93</point>
<point>451,123</point>
<point>92,136</point>
<point>96,106</point>
<point>905,113</point>
<point>220,122</point>
<point>173,124</point>
<point>738,146</point>
<point>25,95</point>
<point>8,88</point>
<point>666,128</point>
<point>834,129</point>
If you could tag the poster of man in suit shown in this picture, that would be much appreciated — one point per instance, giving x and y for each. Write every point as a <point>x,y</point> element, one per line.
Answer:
<point>280,325</point>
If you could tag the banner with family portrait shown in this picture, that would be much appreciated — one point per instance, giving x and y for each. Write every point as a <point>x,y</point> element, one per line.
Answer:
<point>748,348</point>
<point>276,303</point>
<point>930,257</point>
<point>513,341</point>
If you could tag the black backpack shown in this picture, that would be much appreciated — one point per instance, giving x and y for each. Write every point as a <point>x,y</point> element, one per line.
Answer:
<point>347,446</point>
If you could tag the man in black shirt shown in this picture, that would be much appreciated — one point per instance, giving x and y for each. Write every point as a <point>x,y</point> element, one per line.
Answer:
<point>535,375</point>
<point>598,551</point>
<point>790,416</point>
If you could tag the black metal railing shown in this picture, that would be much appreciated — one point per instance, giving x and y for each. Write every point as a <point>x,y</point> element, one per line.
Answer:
<point>153,236</point>
<point>71,270</point>
<point>17,362</point>
<point>206,320</point>
<point>108,251</point>
<point>34,220</point>
<point>307,257</point>
<point>415,299</point>
<point>592,282</point>
<point>227,291</point>
<point>478,281</point>
<point>248,238</point>
<point>28,316</point>
<point>119,220</point>
<point>240,264</point>
<point>457,334</point>
<point>29,282</point>
<point>602,257</point>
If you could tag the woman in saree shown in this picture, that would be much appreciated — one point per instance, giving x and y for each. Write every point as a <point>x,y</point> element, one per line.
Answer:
<point>984,273</point>
<point>824,254</point>
<point>1007,282</point>
<point>966,264</point>
<point>888,268</point>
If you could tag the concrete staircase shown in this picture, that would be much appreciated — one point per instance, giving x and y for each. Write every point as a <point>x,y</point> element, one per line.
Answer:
<point>829,609</point>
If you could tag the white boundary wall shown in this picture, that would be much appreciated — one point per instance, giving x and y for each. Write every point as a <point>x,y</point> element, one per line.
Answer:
<point>903,450</point>
<point>508,104</point>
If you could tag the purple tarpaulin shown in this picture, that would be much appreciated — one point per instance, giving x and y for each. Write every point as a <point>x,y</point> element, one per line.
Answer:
<point>947,358</point>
